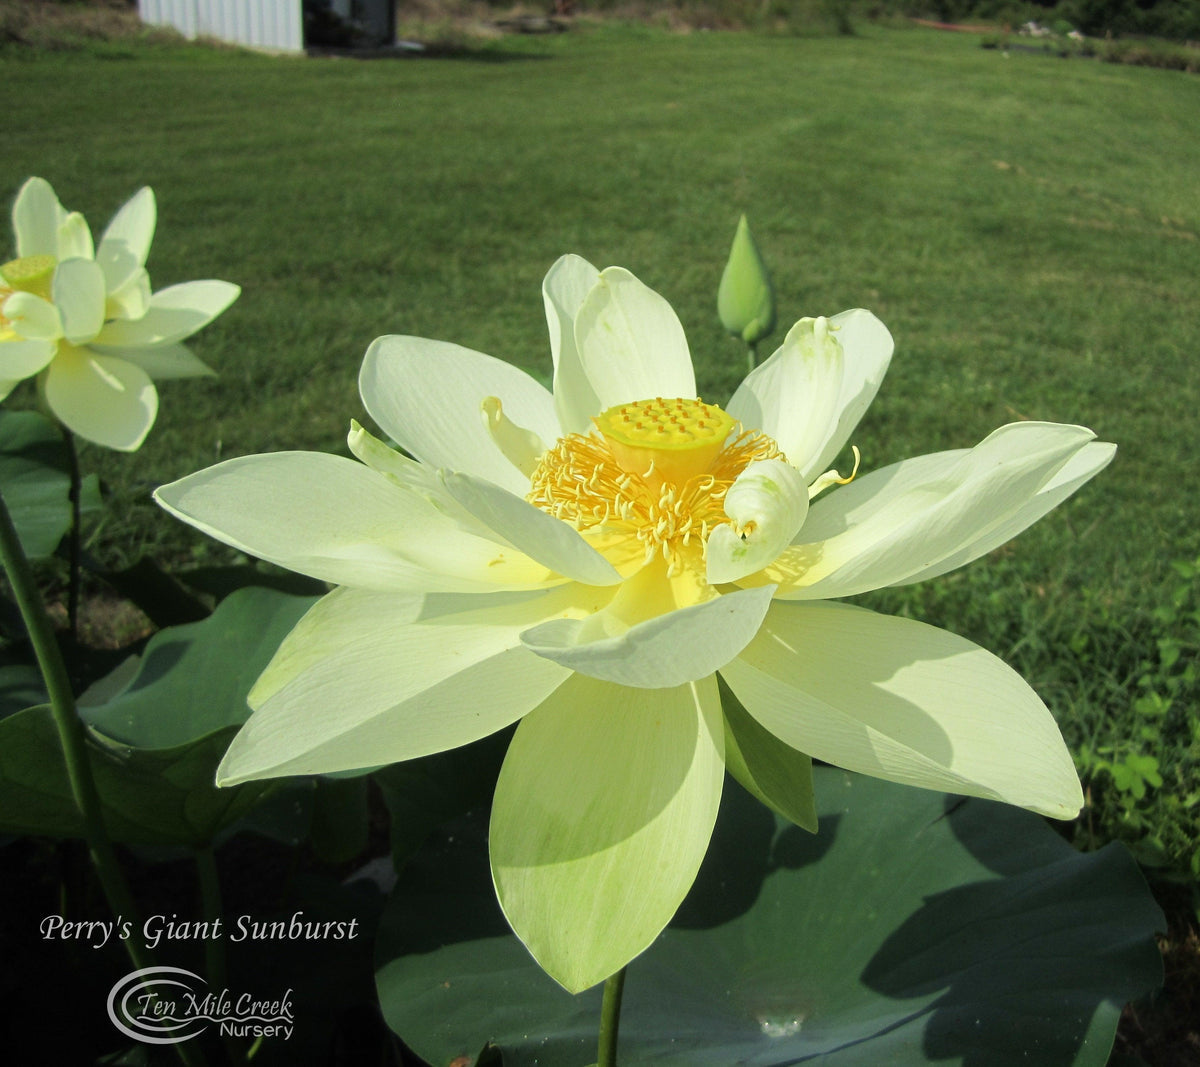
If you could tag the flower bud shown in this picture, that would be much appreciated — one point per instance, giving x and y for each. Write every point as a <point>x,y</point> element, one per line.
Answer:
<point>745,299</point>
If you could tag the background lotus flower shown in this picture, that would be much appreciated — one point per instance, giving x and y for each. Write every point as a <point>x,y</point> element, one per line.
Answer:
<point>85,321</point>
<point>588,561</point>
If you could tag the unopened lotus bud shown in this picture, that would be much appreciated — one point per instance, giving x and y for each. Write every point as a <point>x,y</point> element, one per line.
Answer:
<point>745,299</point>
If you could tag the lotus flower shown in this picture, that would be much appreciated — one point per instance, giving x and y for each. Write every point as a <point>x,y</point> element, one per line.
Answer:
<point>589,561</point>
<point>84,320</point>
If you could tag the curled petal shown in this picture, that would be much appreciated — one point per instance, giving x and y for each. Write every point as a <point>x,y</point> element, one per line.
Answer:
<point>809,395</point>
<point>767,503</point>
<point>32,318</point>
<point>903,522</point>
<point>521,447</point>
<point>666,650</point>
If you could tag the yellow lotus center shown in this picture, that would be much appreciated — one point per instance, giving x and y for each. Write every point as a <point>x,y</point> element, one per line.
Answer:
<point>656,471</point>
<point>29,274</point>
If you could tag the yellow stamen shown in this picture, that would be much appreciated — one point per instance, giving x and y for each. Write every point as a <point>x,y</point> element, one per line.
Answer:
<point>669,496</point>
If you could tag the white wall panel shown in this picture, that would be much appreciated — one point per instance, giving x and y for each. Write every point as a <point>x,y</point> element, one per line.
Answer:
<point>272,24</point>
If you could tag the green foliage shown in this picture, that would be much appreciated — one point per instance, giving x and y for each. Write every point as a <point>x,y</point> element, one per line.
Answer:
<point>908,930</point>
<point>1144,767</point>
<point>35,480</point>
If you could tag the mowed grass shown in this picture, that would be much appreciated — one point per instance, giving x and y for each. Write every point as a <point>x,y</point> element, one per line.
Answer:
<point>1028,228</point>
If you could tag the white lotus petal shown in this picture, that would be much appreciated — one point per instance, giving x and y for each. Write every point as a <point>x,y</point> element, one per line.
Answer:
<point>426,396</point>
<point>33,319</point>
<point>767,503</point>
<point>131,300</point>
<point>539,535</point>
<point>126,241</point>
<point>521,447</point>
<point>21,359</point>
<point>904,701</point>
<point>793,396</point>
<point>906,519</point>
<point>666,650</point>
<point>603,812</point>
<point>1080,468</point>
<point>367,678</point>
<point>339,521</point>
<point>162,363</point>
<point>868,347</point>
<point>78,290</point>
<point>630,342</point>
<point>75,238</point>
<point>36,217</point>
<point>101,398</point>
<point>767,768</point>
<point>564,290</point>
<point>175,313</point>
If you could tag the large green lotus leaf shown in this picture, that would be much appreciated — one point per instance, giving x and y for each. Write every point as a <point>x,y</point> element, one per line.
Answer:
<point>35,481</point>
<point>193,679</point>
<point>159,727</point>
<point>148,797</point>
<point>912,928</point>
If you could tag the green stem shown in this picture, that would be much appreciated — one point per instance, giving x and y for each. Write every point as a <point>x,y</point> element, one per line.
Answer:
<point>74,743</point>
<point>610,1020</point>
<point>73,534</point>
<point>210,904</point>
<point>214,947</point>
<point>751,356</point>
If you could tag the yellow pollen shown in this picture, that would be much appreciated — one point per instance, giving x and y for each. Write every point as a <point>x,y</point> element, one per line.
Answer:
<point>659,483</point>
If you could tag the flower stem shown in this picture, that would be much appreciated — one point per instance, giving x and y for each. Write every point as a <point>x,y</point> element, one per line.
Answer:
<point>610,1019</point>
<point>74,745</point>
<point>751,356</point>
<point>215,963</point>
<point>73,534</point>
<point>210,903</point>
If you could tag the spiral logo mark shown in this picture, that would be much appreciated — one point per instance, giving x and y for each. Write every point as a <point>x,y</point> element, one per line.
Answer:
<point>143,1005</point>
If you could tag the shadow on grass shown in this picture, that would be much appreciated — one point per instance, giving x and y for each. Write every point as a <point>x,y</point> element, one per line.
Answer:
<point>428,51</point>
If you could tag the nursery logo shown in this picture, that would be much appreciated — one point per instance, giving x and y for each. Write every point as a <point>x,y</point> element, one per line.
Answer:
<point>167,1005</point>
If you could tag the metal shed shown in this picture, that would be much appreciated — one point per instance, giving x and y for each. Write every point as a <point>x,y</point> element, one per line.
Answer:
<point>274,25</point>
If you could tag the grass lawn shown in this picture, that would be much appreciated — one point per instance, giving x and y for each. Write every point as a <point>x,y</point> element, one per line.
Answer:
<point>1027,227</point>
